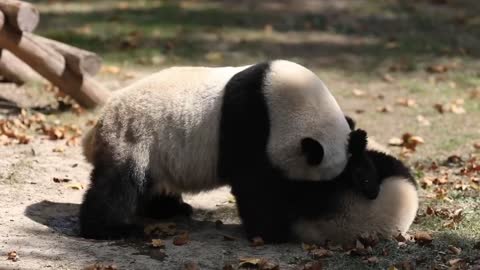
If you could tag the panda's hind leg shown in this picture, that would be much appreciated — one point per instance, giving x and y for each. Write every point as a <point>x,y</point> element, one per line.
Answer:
<point>110,204</point>
<point>160,206</point>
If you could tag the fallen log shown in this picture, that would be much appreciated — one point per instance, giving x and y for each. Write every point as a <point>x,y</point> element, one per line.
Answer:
<point>78,60</point>
<point>51,65</point>
<point>20,15</point>
<point>2,19</point>
<point>15,70</point>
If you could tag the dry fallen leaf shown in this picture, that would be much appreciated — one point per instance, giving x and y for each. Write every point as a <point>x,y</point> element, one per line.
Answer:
<point>157,243</point>
<point>403,237</point>
<point>61,180</point>
<point>257,241</point>
<point>110,69</point>
<point>406,102</point>
<point>411,142</point>
<point>385,109</point>
<point>161,229</point>
<point>423,121</point>
<point>369,239</point>
<point>455,107</point>
<point>387,77</point>
<point>13,256</point>
<point>395,141</point>
<point>392,45</point>
<point>321,253</point>
<point>249,262</point>
<point>454,250</point>
<point>475,93</point>
<point>440,180</point>
<point>73,141</point>
<point>404,265</point>
<point>58,149</point>
<point>372,260</point>
<point>313,266</point>
<point>437,68</point>
<point>191,266</point>
<point>75,186</point>
<point>476,145</point>
<point>360,249</point>
<point>257,263</point>
<point>214,56</point>
<point>181,239</point>
<point>358,92</point>
<point>98,266</point>
<point>453,262</point>
<point>268,29</point>
<point>308,247</point>
<point>228,266</point>
<point>423,238</point>
<point>229,237</point>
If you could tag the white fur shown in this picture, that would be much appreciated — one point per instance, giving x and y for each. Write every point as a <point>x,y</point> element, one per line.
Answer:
<point>393,211</point>
<point>169,123</point>
<point>302,106</point>
<point>174,119</point>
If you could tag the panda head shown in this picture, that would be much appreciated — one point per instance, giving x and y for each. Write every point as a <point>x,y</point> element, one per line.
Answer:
<point>361,169</point>
<point>308,136</point>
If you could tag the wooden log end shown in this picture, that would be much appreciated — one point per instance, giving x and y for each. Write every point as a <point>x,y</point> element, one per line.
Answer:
<point>22,16</point>
<point>2,19</point>
<point>28,18</point>
<point>91,64</point>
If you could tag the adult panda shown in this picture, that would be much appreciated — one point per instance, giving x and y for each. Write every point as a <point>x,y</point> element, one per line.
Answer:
<point>314,212</point>
<point>191,129</point>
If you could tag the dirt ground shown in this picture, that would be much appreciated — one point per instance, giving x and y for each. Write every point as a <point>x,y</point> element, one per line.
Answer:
<point>40,221</point>
<point>395,66</point>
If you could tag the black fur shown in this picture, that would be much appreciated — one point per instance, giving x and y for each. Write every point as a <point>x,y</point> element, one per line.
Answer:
<point>110,204</point>
<point>313,151</point>
<point>244,124</point>
<point>117,196</point>
<point>361,167</point>
<point>243,161</point>
<point>351,122</point>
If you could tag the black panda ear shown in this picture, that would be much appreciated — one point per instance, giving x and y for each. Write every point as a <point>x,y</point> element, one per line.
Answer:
<point>312,150</point>
<point>351,122</point>
<point>357,142</point>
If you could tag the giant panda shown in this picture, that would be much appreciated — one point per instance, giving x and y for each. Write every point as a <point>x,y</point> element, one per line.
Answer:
<point>352,214</point>
<point>314,212</point>
<point>191,129</point>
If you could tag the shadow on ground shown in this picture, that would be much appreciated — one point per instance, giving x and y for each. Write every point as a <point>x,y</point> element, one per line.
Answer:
<point>63,218</point>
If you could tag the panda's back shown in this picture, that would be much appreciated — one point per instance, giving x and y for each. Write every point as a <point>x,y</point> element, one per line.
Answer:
<point>168,124</point>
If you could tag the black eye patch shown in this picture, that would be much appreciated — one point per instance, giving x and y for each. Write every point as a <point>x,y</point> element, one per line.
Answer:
<point>313,151</point>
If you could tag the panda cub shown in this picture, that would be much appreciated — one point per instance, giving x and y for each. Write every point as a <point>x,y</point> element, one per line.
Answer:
<point>351,214</point>
<point>192,129</point>
<point>314,212</point>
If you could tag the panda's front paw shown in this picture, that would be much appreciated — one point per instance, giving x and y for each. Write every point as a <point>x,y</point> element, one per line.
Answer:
<point>185,209</point>
<point>161,207</point>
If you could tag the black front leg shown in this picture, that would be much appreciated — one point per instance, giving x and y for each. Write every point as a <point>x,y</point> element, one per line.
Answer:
<point>261,210</point>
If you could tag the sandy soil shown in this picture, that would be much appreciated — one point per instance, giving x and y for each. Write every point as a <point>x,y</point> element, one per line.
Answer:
<point>39,221</point>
